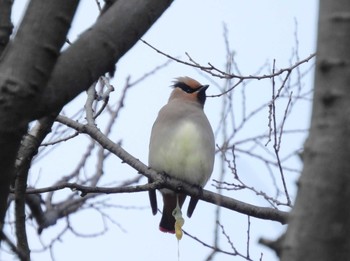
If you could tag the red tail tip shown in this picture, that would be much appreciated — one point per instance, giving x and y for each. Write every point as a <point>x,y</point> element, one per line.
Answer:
<point>166,230</point>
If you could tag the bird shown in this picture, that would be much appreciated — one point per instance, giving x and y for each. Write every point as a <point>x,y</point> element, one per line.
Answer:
<point>182,146</point>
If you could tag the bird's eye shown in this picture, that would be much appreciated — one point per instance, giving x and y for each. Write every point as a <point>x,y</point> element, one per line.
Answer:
<point>185,87</point>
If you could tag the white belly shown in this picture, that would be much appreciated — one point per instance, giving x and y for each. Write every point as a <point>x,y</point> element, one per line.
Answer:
<point>184,154</point>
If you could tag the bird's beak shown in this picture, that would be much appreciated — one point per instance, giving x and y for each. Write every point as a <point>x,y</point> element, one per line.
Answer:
<point>203,88</point>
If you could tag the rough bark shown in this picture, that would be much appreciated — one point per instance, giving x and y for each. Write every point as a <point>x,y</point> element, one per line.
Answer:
<point>5,23</point>
<point>98,49</point>
<point>28,149</point>
<point>33,84</point>
<point>25,67</point>
<point>319,225</point>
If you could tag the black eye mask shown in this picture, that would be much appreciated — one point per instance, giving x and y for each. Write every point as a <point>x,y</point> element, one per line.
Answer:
<point>183,86</point>
<point>201,97</point>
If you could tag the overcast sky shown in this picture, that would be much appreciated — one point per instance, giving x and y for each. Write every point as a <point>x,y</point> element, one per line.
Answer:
<point>258,32</point>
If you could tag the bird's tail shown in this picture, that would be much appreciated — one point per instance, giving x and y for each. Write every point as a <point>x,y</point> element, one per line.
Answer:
<point>167,223</point>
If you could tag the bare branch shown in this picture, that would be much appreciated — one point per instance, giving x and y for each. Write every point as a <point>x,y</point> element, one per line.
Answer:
<point>226,202</point>
<point>209,246</point>
<point>91,92</point>
<point>222,74</point>
<point>22,81</point>
<point>27,151</point>
<point>248,237</point>
<point>101,190</point>
<point>22,256</point>
<point>114,33</point>
<point>276,142</point>
<point>104,96</point>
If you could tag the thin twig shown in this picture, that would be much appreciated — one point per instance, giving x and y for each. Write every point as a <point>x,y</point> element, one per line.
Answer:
<point>226,75</point>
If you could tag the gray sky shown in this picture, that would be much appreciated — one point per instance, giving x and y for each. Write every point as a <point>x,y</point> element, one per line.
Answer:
<point>258,31</point>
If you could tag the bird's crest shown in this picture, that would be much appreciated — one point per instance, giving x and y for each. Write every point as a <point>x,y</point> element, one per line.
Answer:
<point>193,84</point>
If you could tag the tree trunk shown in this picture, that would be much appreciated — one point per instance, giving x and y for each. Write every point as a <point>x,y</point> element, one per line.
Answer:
<point>33,84</point>
<point>25,67</point>
<point>319,225</point>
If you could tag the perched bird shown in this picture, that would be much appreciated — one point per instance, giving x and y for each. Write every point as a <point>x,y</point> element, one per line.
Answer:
<point>181,146</point>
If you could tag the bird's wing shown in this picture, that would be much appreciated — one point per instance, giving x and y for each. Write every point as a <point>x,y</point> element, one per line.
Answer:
<point>153,199</point>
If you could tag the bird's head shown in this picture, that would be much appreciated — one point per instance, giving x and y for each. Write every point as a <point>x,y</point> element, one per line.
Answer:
<point>189,89</point>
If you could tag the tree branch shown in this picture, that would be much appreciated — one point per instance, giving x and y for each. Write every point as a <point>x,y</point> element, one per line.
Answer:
<point>171,183</point>
<point>27,65</point>
<point>3,237</point>
<point>24,70</point>
<point>114,33</point>
<point>29,148</point>
<point>214,71</point>
<point>101,190</point>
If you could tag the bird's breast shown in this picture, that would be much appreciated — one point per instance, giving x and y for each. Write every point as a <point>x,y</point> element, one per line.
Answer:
<point>183,152</point>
